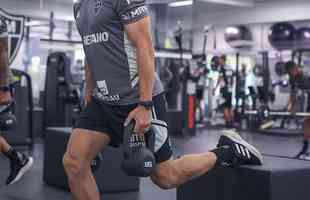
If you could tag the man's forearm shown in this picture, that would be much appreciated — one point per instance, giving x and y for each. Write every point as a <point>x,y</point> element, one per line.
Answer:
<point>4,65</point>
<point>146,68</point>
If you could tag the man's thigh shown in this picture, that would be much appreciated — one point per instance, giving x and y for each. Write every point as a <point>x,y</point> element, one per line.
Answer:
<point>84,144</point>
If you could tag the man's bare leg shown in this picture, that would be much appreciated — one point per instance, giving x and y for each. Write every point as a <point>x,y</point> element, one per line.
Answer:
<point>307,129</point>
<point>305,146</point>
<point>83,147</point>
<point>173,173</point>
<point>228,117</point>
<point>4,146</point>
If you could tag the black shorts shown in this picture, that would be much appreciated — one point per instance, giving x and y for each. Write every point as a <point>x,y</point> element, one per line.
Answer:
<point>200,94</point>
<point>228,100</point>
<point>109,119</point>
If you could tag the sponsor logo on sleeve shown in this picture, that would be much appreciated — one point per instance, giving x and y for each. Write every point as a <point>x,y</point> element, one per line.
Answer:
<point>137,12</point>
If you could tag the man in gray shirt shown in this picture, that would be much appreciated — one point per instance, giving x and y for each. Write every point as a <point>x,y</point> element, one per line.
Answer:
<point>121,86</point>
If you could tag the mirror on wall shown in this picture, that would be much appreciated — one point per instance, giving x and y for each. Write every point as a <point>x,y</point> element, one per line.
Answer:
<point>256,47</point>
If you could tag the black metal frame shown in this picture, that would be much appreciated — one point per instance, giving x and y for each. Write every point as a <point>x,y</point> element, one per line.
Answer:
<point>299,53</point>
<point>30,108</point>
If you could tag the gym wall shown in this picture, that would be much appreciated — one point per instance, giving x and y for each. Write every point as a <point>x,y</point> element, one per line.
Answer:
<point>265,12</point>
<point>258,18</point>
<point>39,10</point>
<point>165,21</point>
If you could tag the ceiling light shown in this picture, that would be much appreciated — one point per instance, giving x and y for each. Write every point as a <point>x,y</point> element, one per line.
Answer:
<point>232,30</point>
<point>181,3</point>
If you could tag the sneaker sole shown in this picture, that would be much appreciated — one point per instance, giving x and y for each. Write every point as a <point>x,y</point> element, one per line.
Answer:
<point>238,139</point>
<point>23,170</point>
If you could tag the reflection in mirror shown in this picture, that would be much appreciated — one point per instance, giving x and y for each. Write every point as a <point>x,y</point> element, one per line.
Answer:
<point>268,98</point>
<point>172,33</point>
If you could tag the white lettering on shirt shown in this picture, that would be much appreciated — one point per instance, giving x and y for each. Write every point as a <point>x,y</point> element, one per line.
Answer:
<point>95,38</point>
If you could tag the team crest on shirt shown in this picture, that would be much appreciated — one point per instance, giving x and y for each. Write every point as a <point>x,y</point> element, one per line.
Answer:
<point>15,25</point>
<point>97,6</point>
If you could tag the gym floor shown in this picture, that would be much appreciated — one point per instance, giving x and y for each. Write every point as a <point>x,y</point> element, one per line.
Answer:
<point>31,187</point>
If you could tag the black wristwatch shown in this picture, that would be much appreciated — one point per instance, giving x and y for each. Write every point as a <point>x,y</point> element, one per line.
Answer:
<point>146,104</point>
<point>5,89</point>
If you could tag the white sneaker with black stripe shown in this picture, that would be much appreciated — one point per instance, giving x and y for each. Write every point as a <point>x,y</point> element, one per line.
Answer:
<point>244,153</point>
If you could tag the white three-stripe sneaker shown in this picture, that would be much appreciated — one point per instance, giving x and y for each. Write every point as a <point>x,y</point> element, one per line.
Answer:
<point>244,153</point>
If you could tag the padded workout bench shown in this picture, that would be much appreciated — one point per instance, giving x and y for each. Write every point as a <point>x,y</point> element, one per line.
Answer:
<point>109,177</point>
<point>278,179</point>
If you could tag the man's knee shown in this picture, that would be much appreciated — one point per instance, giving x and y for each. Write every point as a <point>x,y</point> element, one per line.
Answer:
<point>165,176</point>
<point>74,166</point>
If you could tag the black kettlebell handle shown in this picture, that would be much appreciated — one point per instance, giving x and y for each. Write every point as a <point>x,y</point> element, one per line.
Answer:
<point>128,130</point>
<point>138,160</point>
<point>149,136</point>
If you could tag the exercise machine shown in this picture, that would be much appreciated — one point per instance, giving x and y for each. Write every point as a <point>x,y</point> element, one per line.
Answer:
<point>62,97</point>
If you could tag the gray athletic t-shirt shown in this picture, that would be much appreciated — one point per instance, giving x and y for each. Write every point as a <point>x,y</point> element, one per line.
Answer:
<point>111,56</point>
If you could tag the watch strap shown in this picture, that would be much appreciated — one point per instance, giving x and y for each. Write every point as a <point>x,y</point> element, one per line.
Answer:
<point>147,104</point>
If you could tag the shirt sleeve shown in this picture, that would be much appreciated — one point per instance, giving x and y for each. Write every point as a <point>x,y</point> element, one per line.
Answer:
<point>76,9</point>
<point>131,11</point>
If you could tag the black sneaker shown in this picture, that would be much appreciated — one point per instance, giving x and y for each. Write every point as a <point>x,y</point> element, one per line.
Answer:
<point>304,150</point>
<point>19,168</point>
<point>244,153</point>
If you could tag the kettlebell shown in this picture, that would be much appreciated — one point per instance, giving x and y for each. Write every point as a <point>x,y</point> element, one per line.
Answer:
<point>138,152</point>
<point>7,117</point>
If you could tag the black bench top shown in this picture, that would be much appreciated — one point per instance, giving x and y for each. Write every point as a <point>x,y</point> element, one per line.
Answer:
<point>60,129</point>
<point>280,164</point>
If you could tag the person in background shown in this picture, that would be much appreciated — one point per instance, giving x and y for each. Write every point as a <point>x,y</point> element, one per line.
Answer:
<point>226,81</point>
<point>19,163</point>
<point>299,80</point>
<point>242,84</point>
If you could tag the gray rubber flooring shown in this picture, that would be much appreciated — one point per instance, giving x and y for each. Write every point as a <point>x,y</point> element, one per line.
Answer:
<point>31,187</point>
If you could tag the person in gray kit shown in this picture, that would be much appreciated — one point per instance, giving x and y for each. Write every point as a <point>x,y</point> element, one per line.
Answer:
<point>121,85</point>
<point>19,162</point>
